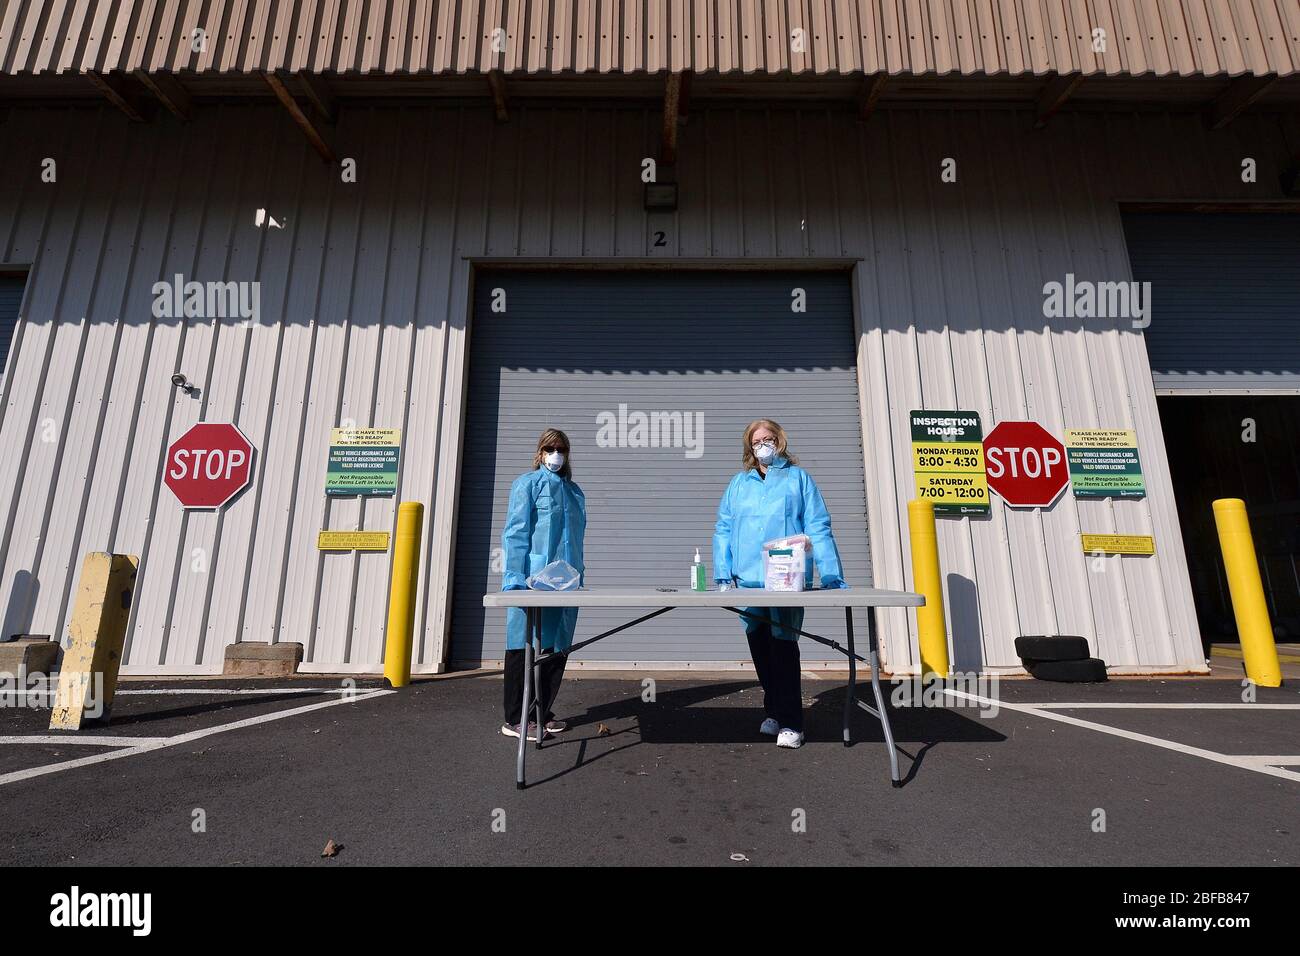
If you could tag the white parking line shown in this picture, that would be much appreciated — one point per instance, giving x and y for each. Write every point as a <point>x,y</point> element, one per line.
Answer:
<point>164,742</point>
<point>1244,761</point>
<point>1282,760</point>
<point>90,739</point>
<point>1153,706</point>
<point>179,692</point>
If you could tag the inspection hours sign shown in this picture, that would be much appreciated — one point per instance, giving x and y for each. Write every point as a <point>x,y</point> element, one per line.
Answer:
<point>948,461</point>
<point>363,461</point>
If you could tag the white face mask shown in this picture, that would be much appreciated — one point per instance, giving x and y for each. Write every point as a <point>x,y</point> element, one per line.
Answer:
<point>765,453</point>
<point>554,460</point>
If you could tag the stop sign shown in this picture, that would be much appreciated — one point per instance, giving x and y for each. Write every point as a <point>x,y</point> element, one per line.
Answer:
<point>208,465</point>
<point>1025,464</point>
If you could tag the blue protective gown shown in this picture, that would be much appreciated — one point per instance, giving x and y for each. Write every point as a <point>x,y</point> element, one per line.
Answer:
<point>545,521</point>
<point>753,510</point>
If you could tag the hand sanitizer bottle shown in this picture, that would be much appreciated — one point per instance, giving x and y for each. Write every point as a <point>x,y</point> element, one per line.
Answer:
<point>698,577</point>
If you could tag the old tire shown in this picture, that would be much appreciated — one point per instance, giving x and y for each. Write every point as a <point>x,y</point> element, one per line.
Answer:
<point>1052,648</point>
<point>1088,671</point>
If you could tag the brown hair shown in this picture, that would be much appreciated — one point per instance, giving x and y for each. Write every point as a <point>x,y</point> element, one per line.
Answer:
<point>554,438</point>
<point>782,447</point>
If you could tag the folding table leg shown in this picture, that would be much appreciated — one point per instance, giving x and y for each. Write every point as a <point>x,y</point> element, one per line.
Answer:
<point>880,698</point>
<point>532,613</point>
<point>851,692</point>
<point>537,681</point>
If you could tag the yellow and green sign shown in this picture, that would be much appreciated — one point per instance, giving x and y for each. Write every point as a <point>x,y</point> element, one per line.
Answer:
<point>363,461</point>
<point>1104,463</point>
<point>352,541</point>
<point>948,461</point>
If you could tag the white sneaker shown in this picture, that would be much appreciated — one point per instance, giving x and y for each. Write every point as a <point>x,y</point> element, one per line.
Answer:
<point>512,730</point>
<point>770,727</point>
<point>789,738</point>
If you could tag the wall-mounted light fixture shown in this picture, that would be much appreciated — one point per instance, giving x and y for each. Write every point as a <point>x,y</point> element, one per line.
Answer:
<point>181,382</point>
<point>660,197</point>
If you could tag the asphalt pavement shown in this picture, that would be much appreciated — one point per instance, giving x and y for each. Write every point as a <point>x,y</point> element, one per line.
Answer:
<point>423,776</point>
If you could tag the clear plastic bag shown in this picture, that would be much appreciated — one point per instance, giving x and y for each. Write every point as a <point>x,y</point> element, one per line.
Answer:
<point>556,576</point>
<point>787,563</point>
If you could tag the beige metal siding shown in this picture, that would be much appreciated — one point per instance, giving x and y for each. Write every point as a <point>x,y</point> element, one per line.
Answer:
<point>916,37</point>
<point>364,305</point>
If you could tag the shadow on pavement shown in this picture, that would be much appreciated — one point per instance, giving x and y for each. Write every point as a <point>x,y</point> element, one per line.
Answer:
<point>677,717</point>
<point>123,718</point>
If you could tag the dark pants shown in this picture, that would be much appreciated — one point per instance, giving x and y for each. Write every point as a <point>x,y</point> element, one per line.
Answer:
<point>777,663</point>
<point>552,674</point>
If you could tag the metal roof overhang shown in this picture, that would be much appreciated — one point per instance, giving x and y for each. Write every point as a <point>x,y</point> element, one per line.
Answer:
<point>894,37</point>
<point>1221,57</point>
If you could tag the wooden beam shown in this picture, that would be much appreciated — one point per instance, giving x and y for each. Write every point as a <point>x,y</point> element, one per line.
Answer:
<point>497,82</point>
<point>672,112</point>
<point>318,133</point>
<point>1240,93</point>
<point>1055,92</point>
<point>319,96</point>
<point>119,92</point>
<point>169,92</point>
<point>684,98</point>
<point>872,87</point>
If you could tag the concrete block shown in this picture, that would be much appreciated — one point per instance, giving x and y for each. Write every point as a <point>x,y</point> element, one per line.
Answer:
<point>260,659</point>
<point>28,654</point>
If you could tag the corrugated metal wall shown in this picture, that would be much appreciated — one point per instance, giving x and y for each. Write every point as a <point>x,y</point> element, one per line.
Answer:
<point>612,36</point>
<point>364,303</point>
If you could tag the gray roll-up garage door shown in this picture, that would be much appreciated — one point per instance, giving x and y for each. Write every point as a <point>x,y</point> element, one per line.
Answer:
<point>11,300</point>
<point>1226,298</point>
<point>578,350</point>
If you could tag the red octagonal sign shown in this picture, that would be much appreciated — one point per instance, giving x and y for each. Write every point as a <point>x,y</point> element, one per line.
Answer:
<point>208,465</point>
<point>1025,464</point>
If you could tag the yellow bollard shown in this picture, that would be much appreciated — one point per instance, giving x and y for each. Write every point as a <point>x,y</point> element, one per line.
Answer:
<point>925,579</point>
<point>401,593</point>
<point>1248,604</point>
<point>88,676</point>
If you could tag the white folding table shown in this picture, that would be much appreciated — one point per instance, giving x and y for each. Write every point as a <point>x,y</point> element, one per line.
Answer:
<point>735,600</point>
